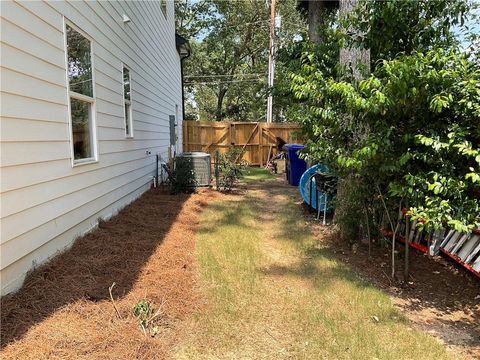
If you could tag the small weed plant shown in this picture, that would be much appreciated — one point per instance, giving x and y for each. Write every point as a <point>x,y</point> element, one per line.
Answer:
<point>145,314</point>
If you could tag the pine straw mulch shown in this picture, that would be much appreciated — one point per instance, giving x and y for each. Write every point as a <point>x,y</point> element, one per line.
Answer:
<point>64,310</point>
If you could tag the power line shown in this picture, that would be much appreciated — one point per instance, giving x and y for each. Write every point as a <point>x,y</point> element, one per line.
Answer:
<point>223,26</point>
<point>221,75</point>
<point>224,81</point>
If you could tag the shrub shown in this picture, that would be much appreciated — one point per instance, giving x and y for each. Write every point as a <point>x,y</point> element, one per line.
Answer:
<point>181,179</point>
<point>228,168</point>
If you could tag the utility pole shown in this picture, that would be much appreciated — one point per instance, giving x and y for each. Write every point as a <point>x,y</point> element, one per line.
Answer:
<point>271,62</point>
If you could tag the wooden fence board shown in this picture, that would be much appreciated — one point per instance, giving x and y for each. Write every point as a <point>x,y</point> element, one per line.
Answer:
<point>258,139</point>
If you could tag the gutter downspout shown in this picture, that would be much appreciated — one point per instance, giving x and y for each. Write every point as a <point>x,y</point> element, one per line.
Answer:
<point>184,51</point>
<point>183,88</point>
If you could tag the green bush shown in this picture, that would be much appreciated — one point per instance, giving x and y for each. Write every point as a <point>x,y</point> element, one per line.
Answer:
<point>228,168</point>
<point>409,130</point>
<point>181,179</point>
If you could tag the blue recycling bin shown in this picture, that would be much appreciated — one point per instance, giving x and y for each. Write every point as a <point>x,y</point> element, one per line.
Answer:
<point>295,166</point>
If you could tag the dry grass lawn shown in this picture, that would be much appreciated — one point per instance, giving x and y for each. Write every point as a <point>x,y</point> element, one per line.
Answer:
<point>236,276</point>
<point>274,293</point>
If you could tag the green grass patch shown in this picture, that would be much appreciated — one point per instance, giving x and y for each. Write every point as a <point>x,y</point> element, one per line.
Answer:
<point>252,174</point>
<point>355,319</point>
<point>274,293</point>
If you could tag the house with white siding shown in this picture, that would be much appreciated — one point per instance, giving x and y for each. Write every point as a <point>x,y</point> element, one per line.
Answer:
<point>88,91</point>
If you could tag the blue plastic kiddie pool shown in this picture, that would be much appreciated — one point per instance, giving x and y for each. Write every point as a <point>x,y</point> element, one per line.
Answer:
<point>304,186</point>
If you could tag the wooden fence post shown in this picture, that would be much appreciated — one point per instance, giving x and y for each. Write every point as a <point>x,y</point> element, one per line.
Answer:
<point>184,136</point>
<point>260,143</point>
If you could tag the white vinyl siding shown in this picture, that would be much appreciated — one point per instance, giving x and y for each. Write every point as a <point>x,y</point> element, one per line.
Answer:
<point>45,202</point>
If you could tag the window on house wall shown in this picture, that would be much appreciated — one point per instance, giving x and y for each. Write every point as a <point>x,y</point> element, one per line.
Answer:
<point>127,103</point>
<point>163,6</point>
<point>81,95</point>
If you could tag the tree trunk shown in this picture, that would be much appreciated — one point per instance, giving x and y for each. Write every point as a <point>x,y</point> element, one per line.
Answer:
<point>353,58</point>
<point>350,57</point>
<point>318,11</point>
<point>395,232</point>
<point>221,95</point>
<point>406,269</point>
<point>369,236</point>
<point>316,17</point>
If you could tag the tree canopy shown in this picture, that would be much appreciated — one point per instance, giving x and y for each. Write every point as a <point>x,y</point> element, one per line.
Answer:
<point>226,76</point>
<point>410,130</point>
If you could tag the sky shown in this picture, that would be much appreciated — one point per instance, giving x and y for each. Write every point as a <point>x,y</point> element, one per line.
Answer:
<point>473,24</point>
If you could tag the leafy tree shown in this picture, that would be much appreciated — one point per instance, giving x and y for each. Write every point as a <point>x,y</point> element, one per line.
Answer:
<point>409,132</point>
<point>227,72</point>
<point>299,56</point>
<point>389,28</point>
<point>194,18</point>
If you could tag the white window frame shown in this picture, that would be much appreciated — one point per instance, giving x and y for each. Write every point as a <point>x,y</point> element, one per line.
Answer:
<point>81,97</point>
<point>127,102</point>
<point>164,8</point>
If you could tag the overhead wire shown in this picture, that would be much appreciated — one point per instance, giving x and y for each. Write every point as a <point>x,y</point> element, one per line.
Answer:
<point>222,75</point>
<point>243,24</point>
<point>224,81</point>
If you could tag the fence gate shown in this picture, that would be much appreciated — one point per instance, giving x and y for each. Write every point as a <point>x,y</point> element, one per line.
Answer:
<point>258,140</point>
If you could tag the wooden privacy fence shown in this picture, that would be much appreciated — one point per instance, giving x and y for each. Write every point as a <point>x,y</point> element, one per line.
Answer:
<point>258,140</point>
